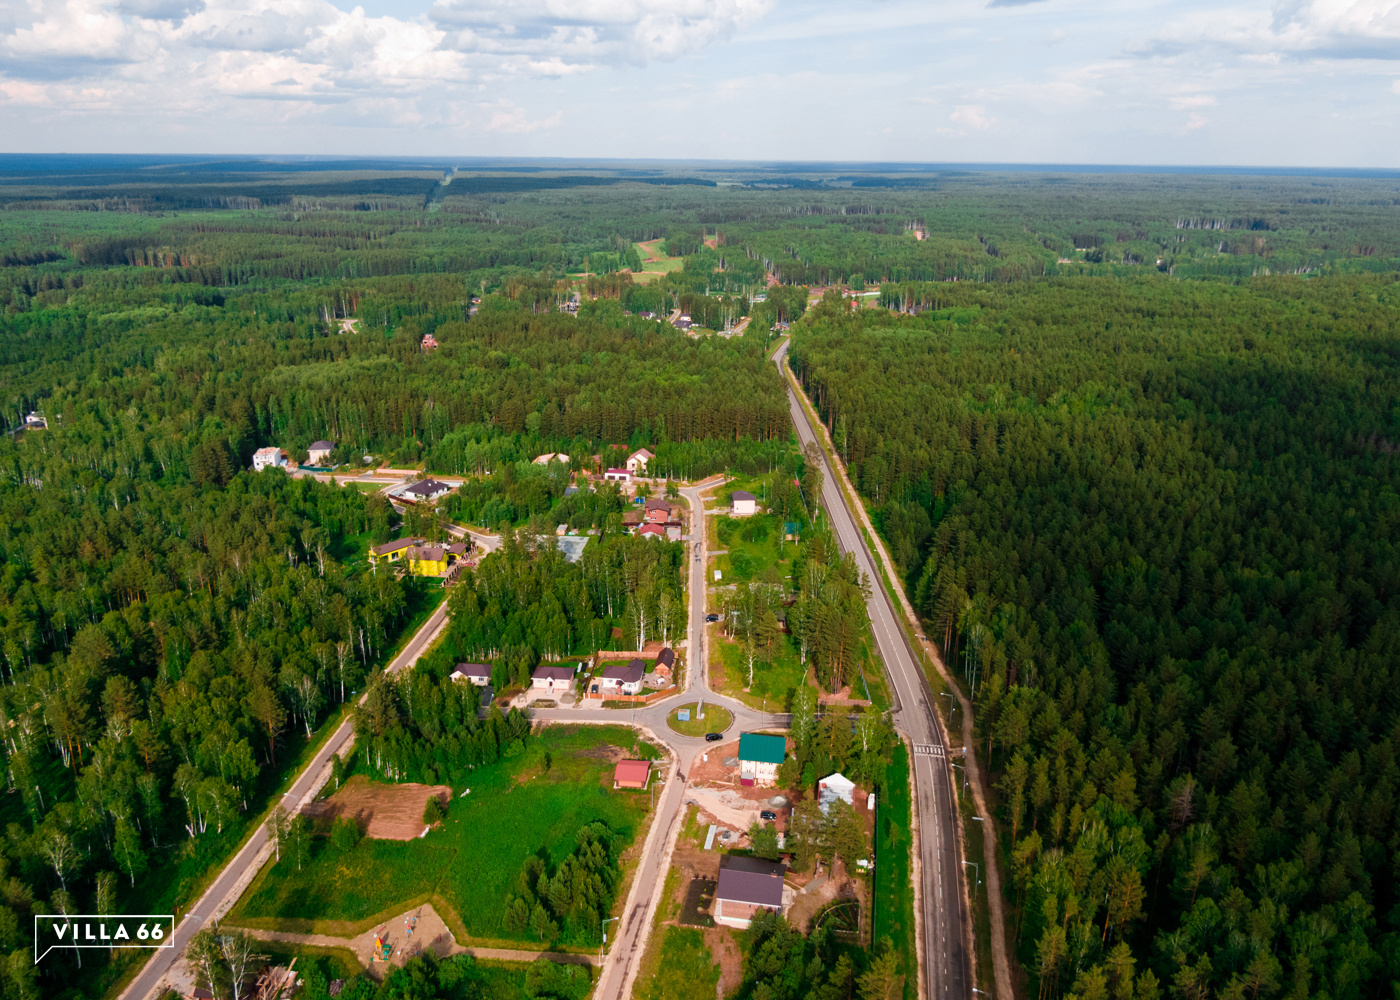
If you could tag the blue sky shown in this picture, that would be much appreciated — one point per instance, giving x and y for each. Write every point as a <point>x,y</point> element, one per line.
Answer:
<point>1292,83</point>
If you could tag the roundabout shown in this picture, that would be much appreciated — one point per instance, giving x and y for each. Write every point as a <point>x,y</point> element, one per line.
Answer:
<point>717,719</point>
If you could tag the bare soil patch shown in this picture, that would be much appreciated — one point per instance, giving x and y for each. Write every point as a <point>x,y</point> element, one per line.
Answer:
<point>725,951</point>
<point>384,812</point>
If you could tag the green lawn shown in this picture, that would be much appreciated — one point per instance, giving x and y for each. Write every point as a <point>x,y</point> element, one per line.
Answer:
<point>893,900</point>
<point>516,808</point>
<point>686,971</point>
<point>716,720</point>
<point>755,552</point>
<point>663,265</point>
<point>774,682</point>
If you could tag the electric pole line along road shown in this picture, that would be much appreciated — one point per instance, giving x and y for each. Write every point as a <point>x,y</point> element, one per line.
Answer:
<point>943,913</point>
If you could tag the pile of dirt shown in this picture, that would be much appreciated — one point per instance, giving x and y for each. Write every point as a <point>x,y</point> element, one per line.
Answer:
<point>383,811</point>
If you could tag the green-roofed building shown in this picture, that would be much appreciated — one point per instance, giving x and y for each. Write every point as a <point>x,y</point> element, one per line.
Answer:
<point>759,757</point>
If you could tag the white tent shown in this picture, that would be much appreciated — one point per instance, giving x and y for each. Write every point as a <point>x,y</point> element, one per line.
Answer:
<point>833,787</point>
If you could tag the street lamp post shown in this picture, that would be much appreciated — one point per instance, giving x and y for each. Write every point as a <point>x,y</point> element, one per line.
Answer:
<point>604,943</point>
<point>963,770</point>
<point>972,863</point>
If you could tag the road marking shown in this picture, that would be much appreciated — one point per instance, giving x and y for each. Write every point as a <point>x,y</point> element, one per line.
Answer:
<point>928,750</point>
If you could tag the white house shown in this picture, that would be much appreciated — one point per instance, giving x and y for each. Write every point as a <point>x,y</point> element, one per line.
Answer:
<point>746,887</point>
<point>320,452</point>
<point>552,678</point>
<point>553,456</point>
<point>833,787</point>
<point>743,503</point>
<point>266,458</point>
<point>428,489</point>
<point>618,679</point>
<point>618,476</point>
<point>477,673</point>
<point>637,461</point>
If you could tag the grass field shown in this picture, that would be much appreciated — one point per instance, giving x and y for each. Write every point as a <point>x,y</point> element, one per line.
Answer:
<point>686,970</point>
<point>660,266</point>
<point>716,720</point>
<point>774,682</point>
<point>756,552</point>
<point>516,808</point>
<point>893,896</point>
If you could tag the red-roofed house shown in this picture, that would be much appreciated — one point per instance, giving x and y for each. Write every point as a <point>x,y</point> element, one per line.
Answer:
<point>652,531</point>
<point>632,774</point>
<point>618,476</point>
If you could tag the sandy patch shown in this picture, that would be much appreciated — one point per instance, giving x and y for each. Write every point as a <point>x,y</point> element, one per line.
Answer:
<point>384,812</point>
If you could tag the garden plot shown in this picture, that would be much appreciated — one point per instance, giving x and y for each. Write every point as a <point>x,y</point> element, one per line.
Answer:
<point>384,812</point>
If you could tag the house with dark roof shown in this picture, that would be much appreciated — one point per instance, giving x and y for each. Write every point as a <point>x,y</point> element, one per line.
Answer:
<point>746,887</point>
<point>475,673</point>
<point>665,663</point>
<point>393,551</point>
<point>427,489</point>
<point>742,503</point>
<point>552,678</point>
<point>759,757</point>
<point>320,452</point>
<point>619,679</point>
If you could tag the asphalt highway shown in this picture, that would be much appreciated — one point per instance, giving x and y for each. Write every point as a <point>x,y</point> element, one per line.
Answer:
<point>940,896</point>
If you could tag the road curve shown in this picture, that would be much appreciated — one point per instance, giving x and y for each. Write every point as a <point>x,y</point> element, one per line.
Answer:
<point>940,897</point>
<point>244,862</point>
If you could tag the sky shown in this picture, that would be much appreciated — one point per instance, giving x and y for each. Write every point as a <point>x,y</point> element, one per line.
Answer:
<point>1311,83</point>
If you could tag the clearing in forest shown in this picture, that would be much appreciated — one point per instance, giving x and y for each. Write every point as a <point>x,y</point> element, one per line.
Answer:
<point>383,811</point>
<point>532,804</point>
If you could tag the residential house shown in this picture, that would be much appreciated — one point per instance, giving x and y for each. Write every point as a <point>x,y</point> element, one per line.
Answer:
<point>34,422</point>
<point>552,678</point>
<point>665,663</point>
<point>632,774</point>
<point>427,560</point>
<point>742,503</point>
<point>759,757</point>
<point>428,343</point>
<point>653,531</point>
<point>655,516</point>
<point>619,679</point>
<point>426,490</point>
<point>637,461</point>
<point>268,458</point>
<point>320,452</point>
<point>477,673</point>
<point>553,456</point>
<point>618,476</point>
<point>833,787</point>
<point>746,887</point>
<point>392,551</point>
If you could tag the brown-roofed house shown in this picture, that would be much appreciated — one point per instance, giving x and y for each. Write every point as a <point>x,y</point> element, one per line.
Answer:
<point>623,679</point>
<point>552,678</point>
<point>632,774</point>
<point>652,531</point>
<point>746,886</point>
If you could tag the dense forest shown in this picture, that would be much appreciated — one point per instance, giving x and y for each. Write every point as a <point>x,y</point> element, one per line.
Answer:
<point>1153,525</point>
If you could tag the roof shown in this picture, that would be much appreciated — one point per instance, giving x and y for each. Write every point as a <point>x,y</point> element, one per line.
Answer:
<point>629,674</point>
<point>632,771</point>
<point>430,553</point>
<point>460,548</point>
<point>742,495</point>
<point>321,445</point>
<point>751,880</point>
<point>270,450</point>
<point>761,748</point>
<point>427,487</point>
<point>656,503</point>
<point>642,453</point>
<point>666,656</point>
<point>570,490</point>
<point>474,669</point>
<point>619,472</point>
<point>553,674</point>
<point>387,547</point>
<point>652,529</point>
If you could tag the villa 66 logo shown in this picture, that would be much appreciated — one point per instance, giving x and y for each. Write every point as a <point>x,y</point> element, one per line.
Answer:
<point>87,930</point>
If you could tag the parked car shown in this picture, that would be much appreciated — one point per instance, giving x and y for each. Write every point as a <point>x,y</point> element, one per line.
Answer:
<point>712,618</point>
<point>713,737</point>
<point>767,814</point>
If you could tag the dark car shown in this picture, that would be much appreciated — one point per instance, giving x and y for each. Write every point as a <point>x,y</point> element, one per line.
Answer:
<point>712,737</point>
<point>712,618</point>
<point>767,814</point>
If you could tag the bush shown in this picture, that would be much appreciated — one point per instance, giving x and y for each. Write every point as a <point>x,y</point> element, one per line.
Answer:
<point>433,811</point>
<point>345,834</point>
<point>544,978</point>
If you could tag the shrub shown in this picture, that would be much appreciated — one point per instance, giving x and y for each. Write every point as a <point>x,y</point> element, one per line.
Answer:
<point>432,811</point>
<point>345,834</point>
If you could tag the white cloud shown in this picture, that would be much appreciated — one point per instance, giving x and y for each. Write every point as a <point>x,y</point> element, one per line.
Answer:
<point>1300,29</point>
<point>971,116</point>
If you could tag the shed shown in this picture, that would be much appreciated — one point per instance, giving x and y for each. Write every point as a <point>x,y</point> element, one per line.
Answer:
<point>835,786</point>
<point>632,774</point>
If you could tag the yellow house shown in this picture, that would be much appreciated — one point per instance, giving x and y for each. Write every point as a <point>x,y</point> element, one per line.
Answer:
<point>392,551</point>
<point>427,560</point>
